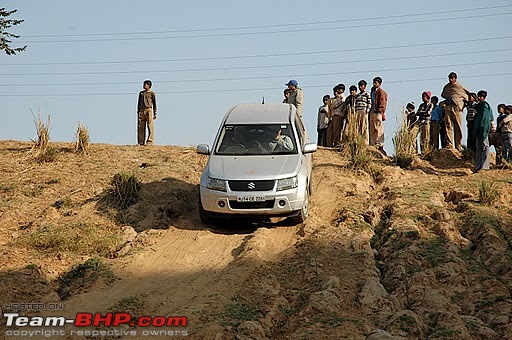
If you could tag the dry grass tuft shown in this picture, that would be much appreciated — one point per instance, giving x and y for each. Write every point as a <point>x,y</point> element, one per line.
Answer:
<point>354,147</point>
<point>44,152</point>
<point>82,139</point>
<point>125,191</point>
<point>405,144</point>
<point>488,193</point>
<point>43,132</point>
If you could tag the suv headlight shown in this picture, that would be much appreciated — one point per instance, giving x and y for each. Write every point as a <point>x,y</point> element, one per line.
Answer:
<point>216,184</point>
<point>287,183</point>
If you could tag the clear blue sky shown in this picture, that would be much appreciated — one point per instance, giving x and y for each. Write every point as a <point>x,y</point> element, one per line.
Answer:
<point>86,60</point>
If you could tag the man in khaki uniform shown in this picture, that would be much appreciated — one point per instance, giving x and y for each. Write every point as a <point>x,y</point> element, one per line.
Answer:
<point>146,111</point>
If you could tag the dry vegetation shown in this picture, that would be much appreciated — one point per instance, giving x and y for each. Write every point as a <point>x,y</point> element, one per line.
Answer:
<point>405,144</point>
<point>82,139</point>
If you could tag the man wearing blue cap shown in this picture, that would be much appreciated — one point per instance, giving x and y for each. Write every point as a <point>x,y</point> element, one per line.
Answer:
<point>296,96</point>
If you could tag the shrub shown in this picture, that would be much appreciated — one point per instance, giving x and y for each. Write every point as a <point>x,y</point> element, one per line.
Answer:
<point>124,192</point>
<point>354,146</point>
<point>42,132</point>
<point>488,193</point>
<point>82,139</point>
<point>405,144</point>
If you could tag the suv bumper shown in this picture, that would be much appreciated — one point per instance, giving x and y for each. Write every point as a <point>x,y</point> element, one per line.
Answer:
<point>277,203</point>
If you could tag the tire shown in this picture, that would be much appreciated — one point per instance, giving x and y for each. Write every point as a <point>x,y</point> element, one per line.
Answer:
<point>204,216</point>
<point>304,211</point>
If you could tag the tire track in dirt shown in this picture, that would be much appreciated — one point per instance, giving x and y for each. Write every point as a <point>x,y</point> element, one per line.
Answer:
<point>188,269</point>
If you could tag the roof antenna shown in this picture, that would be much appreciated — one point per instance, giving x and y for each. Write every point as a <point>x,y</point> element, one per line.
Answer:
<point>263,101</point>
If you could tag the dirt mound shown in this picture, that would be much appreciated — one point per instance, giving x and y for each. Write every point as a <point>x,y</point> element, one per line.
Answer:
<point>423,252</point>
<point>448,158</point>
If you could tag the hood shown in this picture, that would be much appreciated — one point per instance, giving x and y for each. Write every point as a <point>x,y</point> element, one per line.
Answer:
<point>253,167</point>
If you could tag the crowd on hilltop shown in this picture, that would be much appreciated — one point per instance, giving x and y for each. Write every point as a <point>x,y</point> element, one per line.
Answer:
<point>440,123</point>
<point>436,123</point>
<point>367,108</point>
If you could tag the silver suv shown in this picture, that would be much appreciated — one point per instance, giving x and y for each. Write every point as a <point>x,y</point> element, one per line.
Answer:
<point>259,166</point>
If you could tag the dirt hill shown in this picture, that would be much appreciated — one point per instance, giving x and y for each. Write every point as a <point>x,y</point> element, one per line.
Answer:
<point>424,253</point>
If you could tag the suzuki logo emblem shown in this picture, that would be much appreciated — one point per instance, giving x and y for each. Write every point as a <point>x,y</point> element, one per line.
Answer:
<point>251,185</point>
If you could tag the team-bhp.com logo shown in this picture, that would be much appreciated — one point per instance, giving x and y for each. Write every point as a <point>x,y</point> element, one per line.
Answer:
<point>95,320</point>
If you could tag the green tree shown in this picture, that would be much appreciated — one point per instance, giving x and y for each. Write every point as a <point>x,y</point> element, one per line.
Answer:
<point>5,37</point>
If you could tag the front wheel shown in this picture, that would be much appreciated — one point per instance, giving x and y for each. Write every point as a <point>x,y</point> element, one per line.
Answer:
<point>204,215</point>
<point>304,211</point>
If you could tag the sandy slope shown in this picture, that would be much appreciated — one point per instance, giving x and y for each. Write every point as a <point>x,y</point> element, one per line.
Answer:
<point>393,251</point>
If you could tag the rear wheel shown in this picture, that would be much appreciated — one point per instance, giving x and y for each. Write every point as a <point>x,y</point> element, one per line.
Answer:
<point>304,211</point>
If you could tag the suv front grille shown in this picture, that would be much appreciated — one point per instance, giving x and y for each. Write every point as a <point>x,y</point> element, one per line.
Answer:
<point>251,185</point>
<point>252,205</point>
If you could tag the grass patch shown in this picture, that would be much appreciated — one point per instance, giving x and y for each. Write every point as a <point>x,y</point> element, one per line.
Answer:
<point>405,144</point>
<point>77,238</point>
<point>82,139</point>
<point>243,312</point>
<point>336,321</point>
<point>433,251</point>
<point>124,192</point>
<point>406,323</point>
<point>443,333</point>
<point>488,193</point>
<point>82,276</point>
<point>46,155</point>
<point>483,303</point>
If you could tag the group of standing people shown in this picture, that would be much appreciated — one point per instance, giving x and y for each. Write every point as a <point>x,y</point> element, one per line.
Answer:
<point>367,109</point>
<point>437,122</point>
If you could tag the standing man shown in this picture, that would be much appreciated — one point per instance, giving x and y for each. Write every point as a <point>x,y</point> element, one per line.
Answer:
<point>363,106</point>
<point>296,96</point>
<point>456,95</point>
<point>424,113</point>
<point>377,114</point>
<point>335,116</point>
<point>435,123</point>
<point>323,121</point>
<point>146,111</point>
<point>482,126</point>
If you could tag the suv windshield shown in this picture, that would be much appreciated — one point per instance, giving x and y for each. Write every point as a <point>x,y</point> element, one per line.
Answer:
<point>256,140</point>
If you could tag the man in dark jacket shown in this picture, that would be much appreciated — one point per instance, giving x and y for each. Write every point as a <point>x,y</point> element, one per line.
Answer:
<point>482,126</point>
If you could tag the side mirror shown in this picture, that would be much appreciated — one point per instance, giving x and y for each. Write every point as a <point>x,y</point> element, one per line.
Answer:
<point>204,149</point>
<point>310,147</point>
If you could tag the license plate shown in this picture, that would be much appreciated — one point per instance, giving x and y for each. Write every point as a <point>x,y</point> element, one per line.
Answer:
<point>250,198</point>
